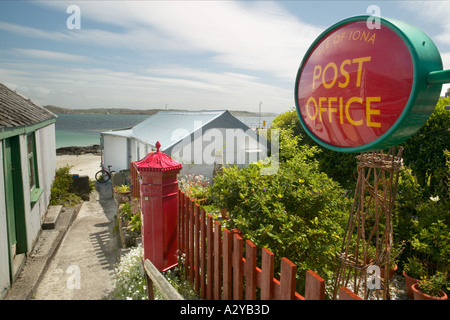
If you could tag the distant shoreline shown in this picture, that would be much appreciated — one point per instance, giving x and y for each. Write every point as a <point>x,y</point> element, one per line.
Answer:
<point>122,111</point>
<point>76,150</point>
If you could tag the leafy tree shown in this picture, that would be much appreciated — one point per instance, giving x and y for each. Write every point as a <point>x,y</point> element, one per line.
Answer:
<point>298,213</point>
<point>426,152</point>
<point>339,166</point>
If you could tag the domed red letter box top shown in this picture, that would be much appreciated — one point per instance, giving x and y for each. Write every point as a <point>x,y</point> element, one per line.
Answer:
<point>157,162</point>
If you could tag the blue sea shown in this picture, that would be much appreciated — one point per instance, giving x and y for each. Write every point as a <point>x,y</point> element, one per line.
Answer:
<point>84,129</point>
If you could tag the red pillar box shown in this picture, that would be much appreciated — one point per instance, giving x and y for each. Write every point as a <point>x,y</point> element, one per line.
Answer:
<point>159,186</point>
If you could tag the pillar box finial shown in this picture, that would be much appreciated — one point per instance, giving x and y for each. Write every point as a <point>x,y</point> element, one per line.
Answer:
<point>157,145</point>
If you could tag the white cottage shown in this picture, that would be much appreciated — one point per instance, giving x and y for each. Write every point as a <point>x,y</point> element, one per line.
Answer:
<point>27,170</point>
<point>200,140</point>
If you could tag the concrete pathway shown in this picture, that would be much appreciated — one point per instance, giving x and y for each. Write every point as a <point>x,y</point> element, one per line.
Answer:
<point>83,266</point>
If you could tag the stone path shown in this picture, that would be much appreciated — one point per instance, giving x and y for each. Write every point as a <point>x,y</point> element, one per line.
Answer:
<point>83,267</point>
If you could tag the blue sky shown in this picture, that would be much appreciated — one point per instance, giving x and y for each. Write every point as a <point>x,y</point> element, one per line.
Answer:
<point>180,54</point>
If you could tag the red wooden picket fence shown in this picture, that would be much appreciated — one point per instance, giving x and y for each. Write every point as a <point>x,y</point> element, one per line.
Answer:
<point>214,262</point>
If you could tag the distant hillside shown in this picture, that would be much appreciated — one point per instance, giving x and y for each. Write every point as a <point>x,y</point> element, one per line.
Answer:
<point>252,114</point>
<point>56,109</point>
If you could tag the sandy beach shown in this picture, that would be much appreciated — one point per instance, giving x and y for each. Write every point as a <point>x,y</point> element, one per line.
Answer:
<point>85,164</point>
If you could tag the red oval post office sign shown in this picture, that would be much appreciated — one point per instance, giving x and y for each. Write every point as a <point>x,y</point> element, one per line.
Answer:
<point>360,89</point>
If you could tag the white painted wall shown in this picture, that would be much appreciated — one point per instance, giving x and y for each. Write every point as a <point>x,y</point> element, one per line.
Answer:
<point>115,152</point>
<point>142,150</point>
<point>45,145</point>
<point>138,150</point>
<point>118,154</point>
<point>134,146</point>
<point>34,215</point>
<point>46,166</point>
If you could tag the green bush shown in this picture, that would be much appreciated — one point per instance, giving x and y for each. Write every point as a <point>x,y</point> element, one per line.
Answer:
<point>61,190</point>
<point>423,223</point>
<point>414,268</point>
<point>434,285</point>
<point>409,195</point>
<point>339,166</point>
<point>431,243</point>
<point>426,152</point>
<point>422,211</point>
<point>298,213</point>
<point>122,188</point>
<point>131,211</point>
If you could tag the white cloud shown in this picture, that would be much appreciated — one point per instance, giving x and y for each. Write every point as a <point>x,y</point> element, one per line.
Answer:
<point>434,12</point>
<point>446,66</point>
<point>445,59</point>
<point>135,39</point>
<point>98,87</point>
<point>41,91</point>
<point>234,39</point>
<point>247,35</point>
<point>33,32</point>
<point>50,55</point>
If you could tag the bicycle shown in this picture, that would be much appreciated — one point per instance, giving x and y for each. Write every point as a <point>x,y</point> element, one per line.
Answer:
<point>104,175</point>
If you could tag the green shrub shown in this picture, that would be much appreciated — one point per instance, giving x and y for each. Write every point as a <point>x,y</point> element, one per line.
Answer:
<point>122,188</point>
<point>434,285</point>
<point>421,214</point>
<point>177,279</point>
<point>131,215</point>
<point>423,223</point>
<point>409,195</point>
<point>133,211</point>
<point>61,193</point>
<point>414,268</point>
<point>432,244</point>
<point>298,213</point>
<point>339,166</point>
<point>426,152</point>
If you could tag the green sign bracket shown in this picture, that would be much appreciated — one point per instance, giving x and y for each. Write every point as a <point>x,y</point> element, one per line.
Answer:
<point>439,77</point>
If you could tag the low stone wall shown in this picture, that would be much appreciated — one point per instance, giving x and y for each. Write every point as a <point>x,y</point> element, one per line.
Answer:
<point>95,149</point>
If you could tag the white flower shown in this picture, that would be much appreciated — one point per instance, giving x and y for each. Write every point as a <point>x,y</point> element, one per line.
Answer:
<point>130,277</point>
<point>435,199</point>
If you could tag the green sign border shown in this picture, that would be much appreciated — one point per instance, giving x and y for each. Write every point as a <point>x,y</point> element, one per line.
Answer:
<point>423,97</point>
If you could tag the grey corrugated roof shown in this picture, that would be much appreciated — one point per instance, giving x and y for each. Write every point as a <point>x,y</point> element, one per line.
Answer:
<point>169,127</point>
<point>17,111</point>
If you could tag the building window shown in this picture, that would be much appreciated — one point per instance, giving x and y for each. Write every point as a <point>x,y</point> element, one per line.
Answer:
<point>35,191</point>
